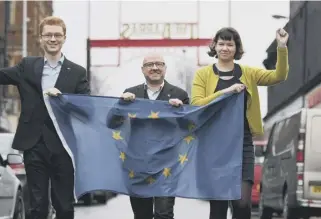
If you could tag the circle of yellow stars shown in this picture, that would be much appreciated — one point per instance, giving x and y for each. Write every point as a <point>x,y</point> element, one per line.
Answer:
<point>182,158</point>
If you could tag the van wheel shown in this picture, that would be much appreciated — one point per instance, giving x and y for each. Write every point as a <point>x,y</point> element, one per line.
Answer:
<point>288,213</point>
<point>264,212</point>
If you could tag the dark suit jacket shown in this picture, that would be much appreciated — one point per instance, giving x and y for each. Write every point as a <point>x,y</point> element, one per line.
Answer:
<point>168,92</point>
<point>34,120</point>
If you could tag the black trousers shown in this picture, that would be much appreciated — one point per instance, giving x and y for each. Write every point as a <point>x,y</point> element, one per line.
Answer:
<point>143,208</point>
<point>41,166</point>
<point>241,208</point>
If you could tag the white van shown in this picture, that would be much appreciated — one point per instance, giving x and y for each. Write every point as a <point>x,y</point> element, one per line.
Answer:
<point>291,174</point>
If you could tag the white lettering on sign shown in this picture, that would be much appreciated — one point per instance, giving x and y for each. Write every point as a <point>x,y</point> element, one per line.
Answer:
<point>173,52</point>
<point>163,30</point>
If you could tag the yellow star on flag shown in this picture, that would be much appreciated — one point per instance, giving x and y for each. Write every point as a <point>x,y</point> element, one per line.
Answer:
<point>131,174</point>
<point>182,158</point>
<point>167,172</point>
<point>132,115</point>
<point>188,139</point>
<point>150,180</point>
<point>153,115</point>
<point>191,126</point>
<point>116,135</point>
<point>122,156</point>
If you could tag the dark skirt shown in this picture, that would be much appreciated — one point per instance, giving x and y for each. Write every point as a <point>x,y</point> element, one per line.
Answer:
<point>248,160</point>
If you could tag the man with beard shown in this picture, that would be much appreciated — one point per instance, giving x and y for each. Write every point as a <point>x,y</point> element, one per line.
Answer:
<point>155,88</point>
<point>45,157</point>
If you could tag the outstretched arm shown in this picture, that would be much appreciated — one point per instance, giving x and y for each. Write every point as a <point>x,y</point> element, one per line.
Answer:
<point>12,75</point>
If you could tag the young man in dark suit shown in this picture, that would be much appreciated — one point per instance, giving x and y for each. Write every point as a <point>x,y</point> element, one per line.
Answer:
<point>45,157</point>
<point>155,88</point>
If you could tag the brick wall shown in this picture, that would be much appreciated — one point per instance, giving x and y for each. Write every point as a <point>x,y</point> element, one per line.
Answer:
<point>36,11</point>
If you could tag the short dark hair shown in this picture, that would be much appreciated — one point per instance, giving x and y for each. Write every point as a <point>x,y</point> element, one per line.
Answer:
<point>227,33</point>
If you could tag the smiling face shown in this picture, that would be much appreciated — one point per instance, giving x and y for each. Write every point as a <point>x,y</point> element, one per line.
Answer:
<point>226,45</point>
<point>225,49</point>
<point>52,39</point>
<point>154,69</point>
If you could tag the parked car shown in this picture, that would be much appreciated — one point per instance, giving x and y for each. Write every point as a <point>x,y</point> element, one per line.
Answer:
<point>259,159</point>
<point>291,179</point>
<point>19,170</point>
<point>11,194</point>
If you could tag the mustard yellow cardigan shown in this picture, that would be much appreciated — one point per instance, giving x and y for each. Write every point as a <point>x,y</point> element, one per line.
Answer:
<point>205,82</point>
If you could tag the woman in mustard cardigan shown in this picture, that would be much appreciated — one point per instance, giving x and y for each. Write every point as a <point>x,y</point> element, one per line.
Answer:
<point>225,76</point>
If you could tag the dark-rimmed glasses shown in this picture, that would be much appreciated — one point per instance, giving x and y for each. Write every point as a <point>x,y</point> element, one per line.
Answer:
<point>151,64</point>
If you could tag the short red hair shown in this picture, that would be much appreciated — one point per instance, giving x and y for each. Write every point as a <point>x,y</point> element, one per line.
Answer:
<point>52,21</point>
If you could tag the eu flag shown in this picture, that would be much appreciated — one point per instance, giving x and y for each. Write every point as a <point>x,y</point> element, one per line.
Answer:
<point>149,148</point>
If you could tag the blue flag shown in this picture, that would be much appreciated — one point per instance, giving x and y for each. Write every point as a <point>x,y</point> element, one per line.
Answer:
<point>149,148</point>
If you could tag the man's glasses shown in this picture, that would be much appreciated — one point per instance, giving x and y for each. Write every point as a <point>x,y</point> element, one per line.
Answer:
<point>57,36</point>
<point>151,64</point>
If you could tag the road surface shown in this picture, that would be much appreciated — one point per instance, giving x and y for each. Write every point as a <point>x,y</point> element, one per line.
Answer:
<point>119,208</point>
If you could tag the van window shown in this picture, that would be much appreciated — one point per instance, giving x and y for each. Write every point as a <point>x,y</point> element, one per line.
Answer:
<point>288,134</point>
<point>315,134</point>
<point>276,133</point>
<point>278,145</point>
<point>271,140</point>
